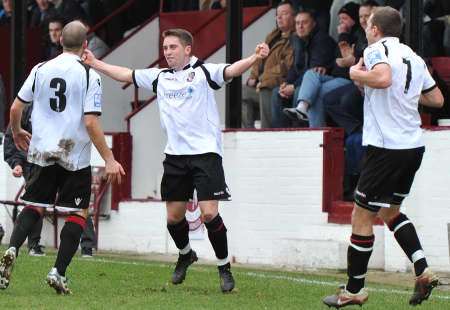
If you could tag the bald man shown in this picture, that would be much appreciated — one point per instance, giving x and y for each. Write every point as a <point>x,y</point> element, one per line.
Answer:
<point>67,105</point>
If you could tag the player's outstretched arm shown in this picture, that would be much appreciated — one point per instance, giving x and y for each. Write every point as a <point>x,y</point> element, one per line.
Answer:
<point>433,98</point>
<point>113,169</point>
<point>21,137</point>
<point>121,74</point>
<point>240,66</point>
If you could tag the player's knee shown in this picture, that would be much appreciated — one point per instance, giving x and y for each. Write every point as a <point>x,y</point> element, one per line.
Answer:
<point>209,215</point>
<point>173,219</point>
<point>387,215</point>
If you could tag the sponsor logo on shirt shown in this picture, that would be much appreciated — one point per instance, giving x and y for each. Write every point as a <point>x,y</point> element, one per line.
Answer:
<point>184,93</point>
<point>78,201</point>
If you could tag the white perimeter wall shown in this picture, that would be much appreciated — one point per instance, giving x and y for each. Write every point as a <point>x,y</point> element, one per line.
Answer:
<point>276,216</point>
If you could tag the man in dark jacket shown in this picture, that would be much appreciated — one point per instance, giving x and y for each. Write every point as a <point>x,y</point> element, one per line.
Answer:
<point>313,48</point>
<point>17,160</point>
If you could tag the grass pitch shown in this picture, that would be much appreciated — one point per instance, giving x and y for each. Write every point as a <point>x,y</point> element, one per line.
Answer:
<point>123,282</point>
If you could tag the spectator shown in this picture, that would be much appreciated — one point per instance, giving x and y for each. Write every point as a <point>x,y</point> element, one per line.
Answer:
<point>41,14</point>
<point>313,48</point>
<point>219,4</point>
<point>271,72</point>
<point>436,29</point>
<point>95,44</point>
<point>316,84</point>
<point>68,9</point>
<point>54,48</point>
<point>5,13</point>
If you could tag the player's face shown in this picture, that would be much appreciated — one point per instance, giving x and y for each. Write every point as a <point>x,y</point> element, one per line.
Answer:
<point>304,24</point>
<point>55,31</point>
<point>364,14</point>
<point>176,54</point>
<point>370,31</point>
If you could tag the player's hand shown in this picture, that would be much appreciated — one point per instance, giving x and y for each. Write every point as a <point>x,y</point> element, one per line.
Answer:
<point>22,139</point>
<point>356,69</point>
<point>88,57</point>
<point>114,171</point>
<point>17,171</point>
<point>262,50</point>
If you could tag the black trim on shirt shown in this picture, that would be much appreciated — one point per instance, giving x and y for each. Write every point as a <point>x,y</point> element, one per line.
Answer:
<point>224,73</point>
<point>93,113</point>
<point>23,101</point>
<point>134,78</point>
<point>35,73</point>
<point>155,81</point>
<point>379,63</point>
<point>386,51</point>
<point>87,68</point>
<point>211,83</point>
<point>429,89</point>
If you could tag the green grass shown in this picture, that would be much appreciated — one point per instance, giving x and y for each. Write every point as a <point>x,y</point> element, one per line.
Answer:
<point>123,282</point>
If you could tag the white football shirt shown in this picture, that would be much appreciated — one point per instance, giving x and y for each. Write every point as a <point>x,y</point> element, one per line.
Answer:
<point>63,91</point>
<point>391,117</point>
<point>187,106</point>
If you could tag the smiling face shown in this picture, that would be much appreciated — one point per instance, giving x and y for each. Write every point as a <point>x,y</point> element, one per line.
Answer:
<point>177,55</point>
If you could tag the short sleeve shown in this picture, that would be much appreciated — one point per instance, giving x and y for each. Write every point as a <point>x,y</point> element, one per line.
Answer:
<point>26,91</point>
<point>428,82</point>
<point>374,55</point>
<point>217,73</point>
<point>93,102</point>
<point>144,77</point>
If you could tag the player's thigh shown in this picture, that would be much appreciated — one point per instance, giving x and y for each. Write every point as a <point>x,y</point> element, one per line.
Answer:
<point>209,177</point>
<point>41,186</point>
<point>75,189</point>
<point>177,181</point>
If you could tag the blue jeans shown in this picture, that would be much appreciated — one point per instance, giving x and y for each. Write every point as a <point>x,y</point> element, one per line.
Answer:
<point>314,87</point>
<point>279,119</point>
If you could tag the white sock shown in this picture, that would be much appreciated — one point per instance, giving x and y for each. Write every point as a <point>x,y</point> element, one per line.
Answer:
<point>302,106</point>
<point>224,261</point>
<point>186,249</point>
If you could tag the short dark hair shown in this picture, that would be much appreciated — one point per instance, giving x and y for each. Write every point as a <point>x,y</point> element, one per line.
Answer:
<point>371,3</point>
<point>312,13</point>
<point>185,36</point>
<point>57,19</point>
<point>388,21</point>
<point>288,2</point>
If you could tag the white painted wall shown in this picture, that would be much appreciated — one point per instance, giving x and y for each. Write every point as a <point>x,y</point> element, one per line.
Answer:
<point>148,138</point>
<point>275,217</point>
<point>137,52</point>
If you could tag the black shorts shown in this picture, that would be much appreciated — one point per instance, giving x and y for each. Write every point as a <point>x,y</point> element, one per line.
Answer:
<point>386,176</point>
<point>184,173</point>
<point>73,187</point>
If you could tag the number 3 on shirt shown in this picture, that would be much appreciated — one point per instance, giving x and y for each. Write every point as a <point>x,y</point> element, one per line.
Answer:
<point>58,104</point>
<point>408,74</point>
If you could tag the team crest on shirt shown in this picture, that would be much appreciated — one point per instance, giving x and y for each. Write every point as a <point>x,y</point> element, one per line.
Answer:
<point>190,76</point>
<point>97,100</point>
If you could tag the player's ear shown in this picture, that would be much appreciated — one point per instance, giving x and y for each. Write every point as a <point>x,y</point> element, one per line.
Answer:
<point>188,49</point>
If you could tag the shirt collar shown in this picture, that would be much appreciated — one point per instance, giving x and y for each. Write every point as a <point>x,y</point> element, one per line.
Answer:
<point>70,55</point>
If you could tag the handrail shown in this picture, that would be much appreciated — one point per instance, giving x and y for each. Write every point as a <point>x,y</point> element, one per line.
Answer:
<point>201,27</point>
<point>112,15</point>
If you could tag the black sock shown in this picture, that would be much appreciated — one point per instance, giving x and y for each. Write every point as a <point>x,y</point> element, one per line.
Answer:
<point>407,238</point>
<point>217,233</point>
<point>358,256</point>
<point>179,233</point>
<point>25,223</point>
<point>70,240</point>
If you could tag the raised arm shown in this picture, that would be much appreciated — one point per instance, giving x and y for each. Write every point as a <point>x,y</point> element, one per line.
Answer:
<point>240,66</point>
<point>121,74</point>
